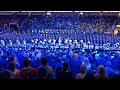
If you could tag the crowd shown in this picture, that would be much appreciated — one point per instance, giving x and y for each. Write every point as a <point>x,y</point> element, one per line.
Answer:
<point>51,63</point>
<point>58,64</point>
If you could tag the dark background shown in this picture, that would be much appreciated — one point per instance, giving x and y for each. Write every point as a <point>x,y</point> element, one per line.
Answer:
<point>60,5</point>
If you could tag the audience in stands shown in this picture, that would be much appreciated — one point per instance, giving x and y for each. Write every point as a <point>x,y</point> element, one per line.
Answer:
<point>26,61</point>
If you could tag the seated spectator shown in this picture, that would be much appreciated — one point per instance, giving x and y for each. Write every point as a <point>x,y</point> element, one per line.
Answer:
<point>64,74</point>
<point>15,71</point>
<point>101,73</point>
<point>50,73</point>
<point>28,72</point>
<point>83,70</point>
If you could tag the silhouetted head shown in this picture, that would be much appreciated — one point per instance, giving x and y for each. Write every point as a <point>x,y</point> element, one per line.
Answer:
<point>44,61</point>
<point>93,66</point>
<point>101,71</point>
<point>65,66</point>
<point>11,66</point>
<point>26,62</point>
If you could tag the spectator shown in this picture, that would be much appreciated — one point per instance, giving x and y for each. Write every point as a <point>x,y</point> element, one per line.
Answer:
<point>75,63</point>
<point>101,73</point>
<point>93,69</point>
<point>114,61</point>
<point>87,63</point>
<point>14,59</point>
<point>101,60</point>
<point>83,70</point>
<point>15,71</point>
<point>50,73</point>
<point>28,72</point>
<point>108,68</point>
<point>64,74</point>
<point>42,73</point>
<point>6,74</point>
